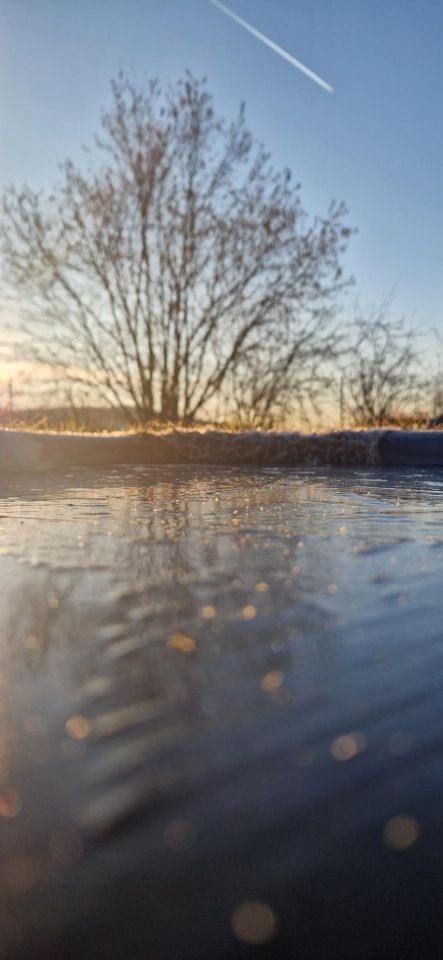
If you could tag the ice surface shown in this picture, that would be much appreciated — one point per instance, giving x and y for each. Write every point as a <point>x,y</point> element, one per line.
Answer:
<point>219,686</point>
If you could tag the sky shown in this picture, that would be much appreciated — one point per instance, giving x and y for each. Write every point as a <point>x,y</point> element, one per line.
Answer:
<point>376,142</point>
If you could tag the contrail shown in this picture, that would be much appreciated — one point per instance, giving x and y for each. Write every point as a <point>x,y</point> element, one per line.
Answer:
<point>274,46</point>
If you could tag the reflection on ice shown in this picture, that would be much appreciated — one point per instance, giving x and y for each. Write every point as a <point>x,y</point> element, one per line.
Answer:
<point>212,649</point>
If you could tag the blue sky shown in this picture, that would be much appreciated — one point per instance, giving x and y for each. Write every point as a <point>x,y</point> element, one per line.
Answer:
<point>376,142</point>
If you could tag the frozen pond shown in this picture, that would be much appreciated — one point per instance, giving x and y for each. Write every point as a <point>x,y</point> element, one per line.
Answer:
<point>221,687</point>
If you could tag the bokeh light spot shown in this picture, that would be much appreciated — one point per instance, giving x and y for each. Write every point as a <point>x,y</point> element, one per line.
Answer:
<point>254,922</point>
<point>182,642</point>
<point>31,642</point>
<point>401,832</point>
<point>272,680</point>
<point>78,727</point>
<point>208,612</point>
<point>348,746</point>
<point>180,834</point>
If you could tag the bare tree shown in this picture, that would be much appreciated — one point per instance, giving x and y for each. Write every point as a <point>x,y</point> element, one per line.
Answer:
<point>175,263</point>
<point>288,372</point>
<point>380,378</point>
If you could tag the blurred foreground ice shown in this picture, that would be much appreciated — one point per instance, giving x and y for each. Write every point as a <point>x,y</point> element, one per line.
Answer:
<point>221,694</point>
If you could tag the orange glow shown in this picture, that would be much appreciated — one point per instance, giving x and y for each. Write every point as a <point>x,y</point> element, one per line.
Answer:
<point>208,612</point>
<point>180,641</point>
<point>272,680</point>
<point>78,727</point>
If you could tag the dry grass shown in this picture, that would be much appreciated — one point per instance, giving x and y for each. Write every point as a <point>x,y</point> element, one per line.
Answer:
<point>43,424</point>
<point>104,422</point>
